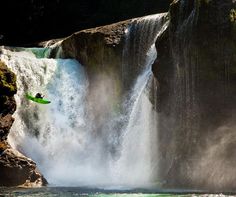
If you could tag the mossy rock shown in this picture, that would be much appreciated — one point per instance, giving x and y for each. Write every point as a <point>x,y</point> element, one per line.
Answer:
<point>7,80</point>
<point>232,15</point>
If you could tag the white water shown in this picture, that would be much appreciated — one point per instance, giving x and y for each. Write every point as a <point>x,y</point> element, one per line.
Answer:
<point>138,161</point>
<point>60,136</point>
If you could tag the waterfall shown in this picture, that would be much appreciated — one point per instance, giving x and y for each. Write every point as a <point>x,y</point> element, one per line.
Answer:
<point>61,136</point>
<point>137,164</point>
<point>139,37</point>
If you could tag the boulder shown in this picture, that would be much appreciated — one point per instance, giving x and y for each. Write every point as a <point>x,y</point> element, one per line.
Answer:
<point>97,46</point>
<point>18,170</point>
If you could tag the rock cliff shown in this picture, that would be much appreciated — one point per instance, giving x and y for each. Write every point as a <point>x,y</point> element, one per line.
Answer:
<point>100,51</point>
<point>196,72</point>
<point>15,168</point>
<point>113,56</point>
<point>97,48</point>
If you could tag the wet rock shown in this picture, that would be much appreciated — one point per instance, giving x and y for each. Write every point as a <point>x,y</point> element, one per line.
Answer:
<point>99,50</point>
<point>5,125</point>
<point>18,170</point>
<point>15,168</point>
<point>197,91</point>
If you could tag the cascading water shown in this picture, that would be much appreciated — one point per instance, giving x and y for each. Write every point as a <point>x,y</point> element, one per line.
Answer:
<point>60,136</point>
<point>139,138</point>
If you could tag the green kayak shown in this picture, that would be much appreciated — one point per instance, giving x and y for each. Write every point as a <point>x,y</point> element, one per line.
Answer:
<point>38,100</point>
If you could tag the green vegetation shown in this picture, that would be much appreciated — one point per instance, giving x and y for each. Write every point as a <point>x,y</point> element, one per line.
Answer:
<point>232,15</point>
<point>7,80</point>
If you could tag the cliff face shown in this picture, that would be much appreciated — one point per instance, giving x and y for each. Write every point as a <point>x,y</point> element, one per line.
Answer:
<point>15,168</point>
<point>98,46</point>
<point>100,51</point>
<point>114,56</point>
<point>117,51</point>
<point>7,101</point>
<point>196,71</point>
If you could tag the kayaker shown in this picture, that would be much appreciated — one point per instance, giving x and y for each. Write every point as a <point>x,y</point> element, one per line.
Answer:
<point>39,95</point>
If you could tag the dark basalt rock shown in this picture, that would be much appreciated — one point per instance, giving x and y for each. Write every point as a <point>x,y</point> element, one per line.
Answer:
<point>100,51</point>
<point>196,73</point>
<point>86,44</point>
<point>15,168</point>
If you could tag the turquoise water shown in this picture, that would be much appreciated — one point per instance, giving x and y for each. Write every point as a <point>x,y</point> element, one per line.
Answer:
<point>40,52</point>
<point>67,192</point>
<point>90,192</point>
